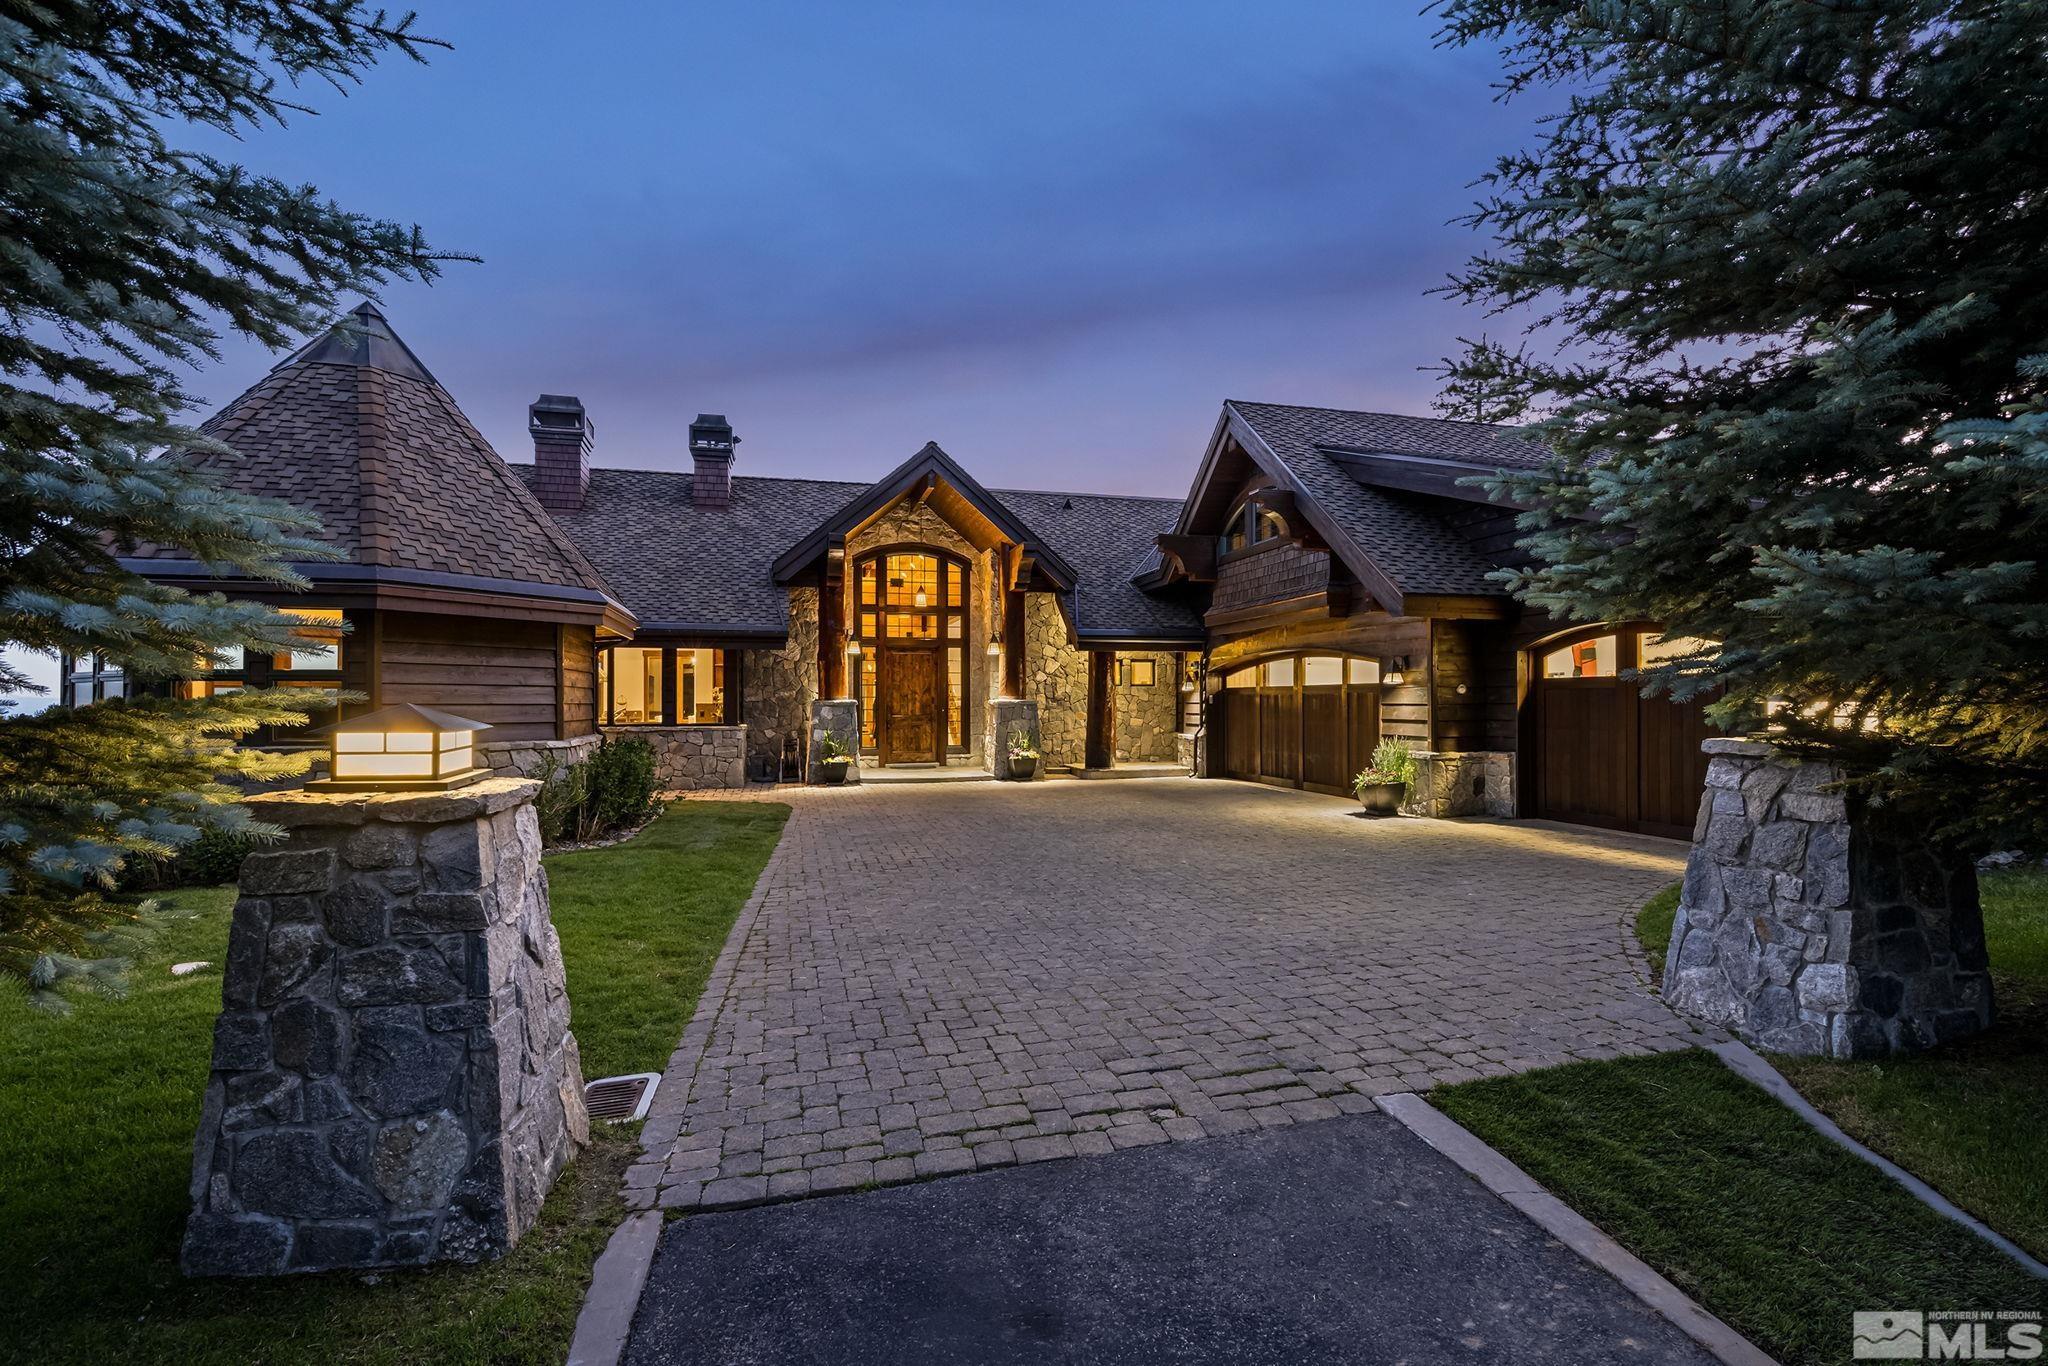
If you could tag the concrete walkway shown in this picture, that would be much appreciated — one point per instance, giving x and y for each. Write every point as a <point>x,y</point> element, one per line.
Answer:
<point>936,979</point>
<point>1343,1242</point>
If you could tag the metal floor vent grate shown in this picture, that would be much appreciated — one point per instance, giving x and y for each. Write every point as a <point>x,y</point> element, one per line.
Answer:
<point>621,1099</point>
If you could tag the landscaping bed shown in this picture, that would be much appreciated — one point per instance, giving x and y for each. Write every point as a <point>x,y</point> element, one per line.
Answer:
<point>98,1111</point>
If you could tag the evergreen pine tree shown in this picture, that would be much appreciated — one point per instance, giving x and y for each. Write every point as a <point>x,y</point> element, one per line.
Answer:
<point>123,259</point>
<point>1786,267</point>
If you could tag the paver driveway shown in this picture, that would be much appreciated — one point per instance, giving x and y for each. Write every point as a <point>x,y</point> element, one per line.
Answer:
<point>939,978</point>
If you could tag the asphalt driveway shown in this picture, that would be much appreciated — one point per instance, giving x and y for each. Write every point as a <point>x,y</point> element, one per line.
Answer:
<point>944,978</point>
<point>1350,1241</point>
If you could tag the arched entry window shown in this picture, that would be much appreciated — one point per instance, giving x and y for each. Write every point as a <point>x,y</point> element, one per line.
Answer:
<point>910,617</point>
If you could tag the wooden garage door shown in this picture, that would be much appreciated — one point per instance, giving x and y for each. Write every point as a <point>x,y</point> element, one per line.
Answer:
<point>1605,755</point>
<point>1306,721</point>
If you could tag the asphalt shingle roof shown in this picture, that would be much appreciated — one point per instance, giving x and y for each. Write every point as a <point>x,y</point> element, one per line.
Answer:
<point>676,565</point>
<point>1109,540</point>
<point>1400,533</point>
<point>353,429</point>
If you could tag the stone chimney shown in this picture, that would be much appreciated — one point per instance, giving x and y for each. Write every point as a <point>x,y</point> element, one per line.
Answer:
<point>711,452</point>
<point>562,435</point>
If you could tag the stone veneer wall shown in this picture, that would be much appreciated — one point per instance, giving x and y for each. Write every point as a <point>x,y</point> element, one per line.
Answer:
<point>693,758</point>
<point>394,1081</point>
<point>1056,678</point>
<point>1146,717</point>
<point>779,687</point>
<point>521,758</point>
<point>1467,783</point>
<point>1809,927</point>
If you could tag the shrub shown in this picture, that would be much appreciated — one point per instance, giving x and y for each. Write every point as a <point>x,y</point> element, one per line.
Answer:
<point>215,857</point>
<point>1393,761</point>
<point>563,791</point>
<point>619,787</point>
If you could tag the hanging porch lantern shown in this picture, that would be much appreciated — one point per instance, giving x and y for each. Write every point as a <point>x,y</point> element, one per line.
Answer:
<point>402,748</point>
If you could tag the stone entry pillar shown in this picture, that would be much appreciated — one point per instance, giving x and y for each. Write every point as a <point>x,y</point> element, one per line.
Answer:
<point>394,1080</point>
<point>840,719</point>
<point>1809,927</point>
<point>1012,719</point>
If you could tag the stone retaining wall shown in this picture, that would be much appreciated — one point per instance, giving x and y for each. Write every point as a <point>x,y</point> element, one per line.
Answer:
<point>522,758</point>
<point>693,758</point>
<point>394,1081</point>
<point>1808,926</point>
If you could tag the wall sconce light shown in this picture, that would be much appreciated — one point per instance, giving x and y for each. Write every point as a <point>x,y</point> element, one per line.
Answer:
<point>995,646</point>
<point>853,646</point>
<point>1396,672</point>
<point>401,748</point>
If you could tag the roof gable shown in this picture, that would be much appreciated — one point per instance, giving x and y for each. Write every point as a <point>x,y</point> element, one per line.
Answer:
<point>1393,541</point>
<point>957,495</point>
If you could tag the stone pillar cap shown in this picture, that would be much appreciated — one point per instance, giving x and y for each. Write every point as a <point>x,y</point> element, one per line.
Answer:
<point>484,798</point>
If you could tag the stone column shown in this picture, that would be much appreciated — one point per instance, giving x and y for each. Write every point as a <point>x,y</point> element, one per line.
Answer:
<point>1466,783</point>
<point>1809,925</point>
<point>1012,719</point>
<point>840,719</point>
<point>394,1080</point>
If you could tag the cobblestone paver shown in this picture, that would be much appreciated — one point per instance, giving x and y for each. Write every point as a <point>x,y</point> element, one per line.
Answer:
<point>935,979</point>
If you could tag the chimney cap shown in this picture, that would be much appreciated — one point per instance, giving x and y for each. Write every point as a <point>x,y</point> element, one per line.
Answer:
<point>712,434</point>
<point>560,412</point>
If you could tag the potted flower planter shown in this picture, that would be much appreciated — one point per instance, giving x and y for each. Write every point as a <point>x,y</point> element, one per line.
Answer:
<point>1382,799</point>
<point>832,772</point>
<point>1023,770</point>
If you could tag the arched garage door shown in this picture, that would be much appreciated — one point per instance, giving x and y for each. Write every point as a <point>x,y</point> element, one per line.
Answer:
<point>1307,721</point>
<point>1601,753</point>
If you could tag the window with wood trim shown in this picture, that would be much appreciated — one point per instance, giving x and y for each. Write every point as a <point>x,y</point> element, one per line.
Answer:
<point>667,685</point>
<point>912,598</point>
<point>312,661</point>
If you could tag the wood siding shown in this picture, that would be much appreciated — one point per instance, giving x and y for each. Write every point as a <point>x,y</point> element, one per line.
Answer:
<point>579,681</point>
<point>502,672</point>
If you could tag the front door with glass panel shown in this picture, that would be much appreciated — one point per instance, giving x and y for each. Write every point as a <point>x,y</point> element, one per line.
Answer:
<point>910,617</point>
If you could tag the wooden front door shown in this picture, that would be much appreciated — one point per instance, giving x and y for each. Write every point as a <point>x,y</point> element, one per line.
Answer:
<point>909,707</point>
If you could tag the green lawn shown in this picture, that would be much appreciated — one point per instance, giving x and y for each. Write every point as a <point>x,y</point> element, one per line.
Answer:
<point>1734,1198</point>
<point>1653,927</point>
<point>97,1113</point>
<point>1971,1119</point>
<point>640,933</point>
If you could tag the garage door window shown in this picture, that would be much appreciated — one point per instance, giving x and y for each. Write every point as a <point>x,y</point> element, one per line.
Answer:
<point>1586,659</point>
<point>1663,649</point>
<point>1280,673</point>
<point>1322,671</point>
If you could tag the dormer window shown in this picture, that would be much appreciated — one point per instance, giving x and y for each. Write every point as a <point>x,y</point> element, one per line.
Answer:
<point>1251,525</point>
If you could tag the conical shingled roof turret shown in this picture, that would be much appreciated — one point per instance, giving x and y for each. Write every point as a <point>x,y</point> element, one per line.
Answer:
<point>356,430</point>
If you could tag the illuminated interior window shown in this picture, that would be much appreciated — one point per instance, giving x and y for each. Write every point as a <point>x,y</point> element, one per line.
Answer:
<point>1268,526</point>
<point>867,584</point>
<point>867,700</point>
<point>1587,659</point>
<point>955,683</point>
<point>318,642</point>
<point>700,687</point>
<point>637,686</point>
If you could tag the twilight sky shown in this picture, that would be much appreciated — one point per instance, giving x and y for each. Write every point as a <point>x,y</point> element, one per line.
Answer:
<point>1051,237</point>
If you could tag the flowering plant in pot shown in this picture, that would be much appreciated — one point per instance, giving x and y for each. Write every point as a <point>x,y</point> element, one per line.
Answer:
<point>1382,787</point>
<point>834,762</point>
<point>1023,759</point>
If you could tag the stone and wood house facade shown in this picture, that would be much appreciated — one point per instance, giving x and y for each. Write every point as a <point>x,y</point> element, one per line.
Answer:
<point>1324,583</point>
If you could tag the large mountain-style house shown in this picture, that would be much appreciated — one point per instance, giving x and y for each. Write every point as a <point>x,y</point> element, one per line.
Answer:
<point>1324,583</point>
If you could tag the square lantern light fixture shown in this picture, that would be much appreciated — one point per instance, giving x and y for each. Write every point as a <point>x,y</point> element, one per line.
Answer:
<point>401,748</point>
<point>1395,671</point>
